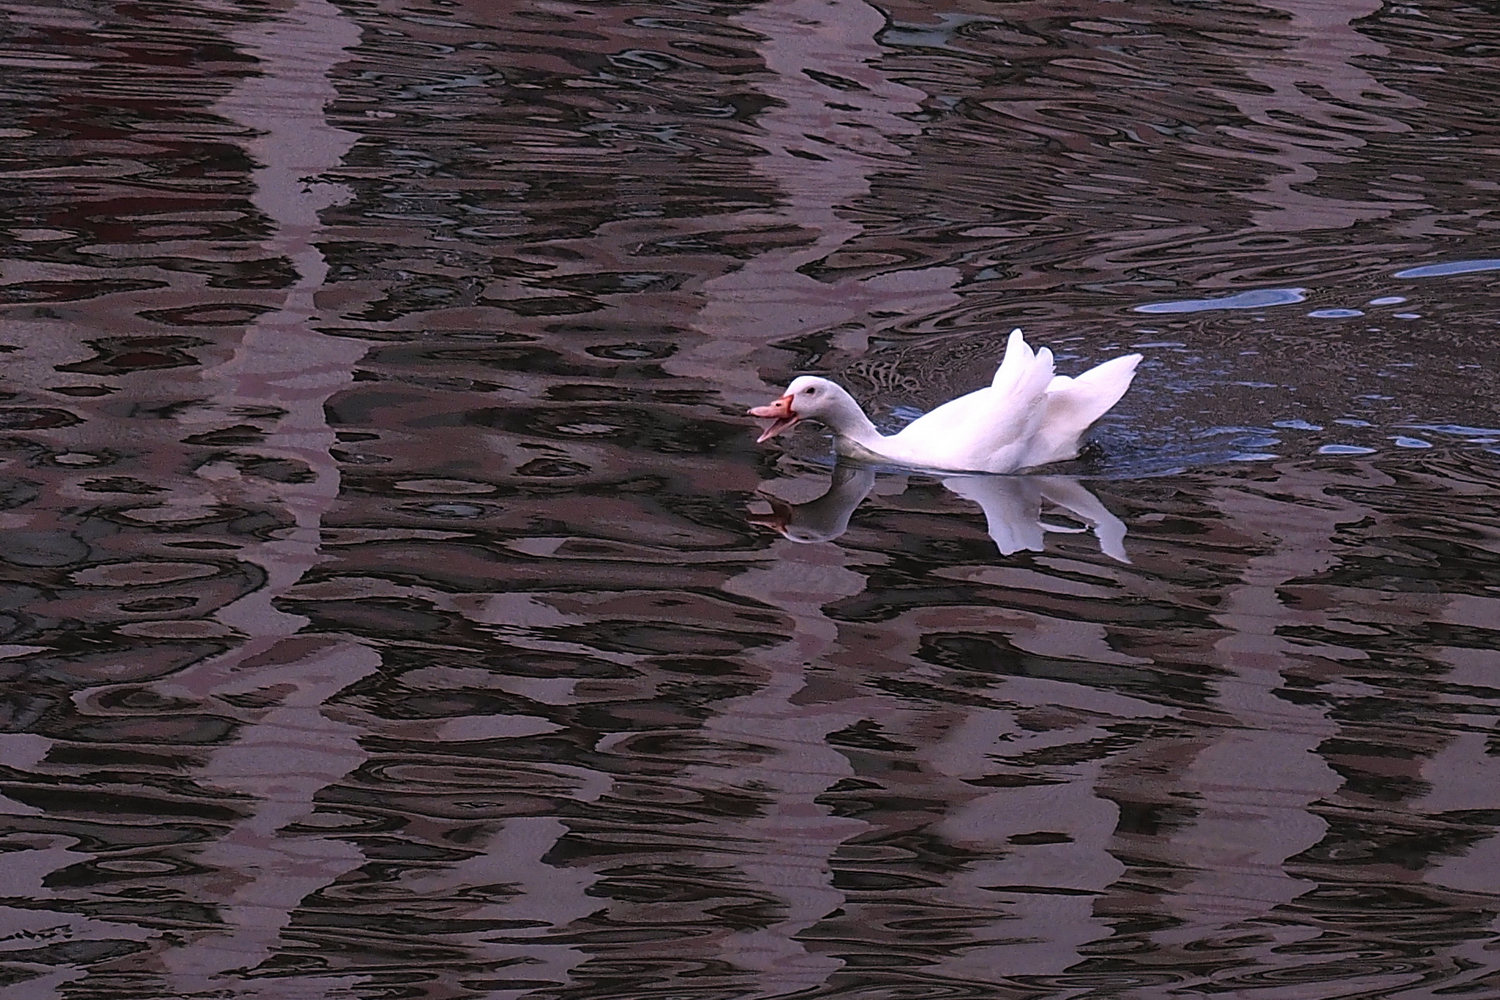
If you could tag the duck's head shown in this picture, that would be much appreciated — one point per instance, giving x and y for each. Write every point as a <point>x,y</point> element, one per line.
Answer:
<point>807,397</point>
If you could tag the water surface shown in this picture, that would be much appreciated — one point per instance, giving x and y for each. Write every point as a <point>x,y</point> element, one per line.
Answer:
<point>398,604</point>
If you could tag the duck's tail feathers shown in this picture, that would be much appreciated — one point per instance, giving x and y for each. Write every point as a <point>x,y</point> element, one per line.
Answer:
<point>1073,404</point>
<point>1015,406</point>
<point>1020,366</point>
<point>1023,378</point>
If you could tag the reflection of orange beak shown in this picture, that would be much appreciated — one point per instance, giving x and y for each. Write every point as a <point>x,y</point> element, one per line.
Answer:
<point>780,517</point>
<point>781,415</point>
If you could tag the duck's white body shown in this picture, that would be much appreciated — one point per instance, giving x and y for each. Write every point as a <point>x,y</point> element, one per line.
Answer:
<point>1028,416</point>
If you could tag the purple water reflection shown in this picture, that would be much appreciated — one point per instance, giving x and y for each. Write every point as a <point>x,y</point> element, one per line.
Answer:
<point>391,603</point>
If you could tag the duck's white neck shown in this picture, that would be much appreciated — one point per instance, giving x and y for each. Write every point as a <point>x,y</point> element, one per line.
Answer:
<point>849,423</point>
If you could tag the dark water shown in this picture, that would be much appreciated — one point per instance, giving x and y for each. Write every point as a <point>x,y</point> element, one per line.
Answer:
<point>394,603</point>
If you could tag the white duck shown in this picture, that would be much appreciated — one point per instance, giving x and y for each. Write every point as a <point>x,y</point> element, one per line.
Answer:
<point>1026,417</point>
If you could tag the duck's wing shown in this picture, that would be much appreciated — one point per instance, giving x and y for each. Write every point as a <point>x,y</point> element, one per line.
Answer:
<point>988,429</point>
<point>1013,410</point>
<point>1071,406</point>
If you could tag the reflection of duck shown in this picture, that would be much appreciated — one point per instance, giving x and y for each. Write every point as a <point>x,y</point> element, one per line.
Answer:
<point>827,517</point>
<point>1026,417</point>
<point>1012,508</point>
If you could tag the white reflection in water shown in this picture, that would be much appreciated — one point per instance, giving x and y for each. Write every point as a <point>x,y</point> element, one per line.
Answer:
<point>1013,509</point>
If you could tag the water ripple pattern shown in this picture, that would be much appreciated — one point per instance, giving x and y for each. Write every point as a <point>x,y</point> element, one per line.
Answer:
<point>398,605</point>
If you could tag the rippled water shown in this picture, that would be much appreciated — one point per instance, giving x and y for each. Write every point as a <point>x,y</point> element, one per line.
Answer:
<point>397,604</point>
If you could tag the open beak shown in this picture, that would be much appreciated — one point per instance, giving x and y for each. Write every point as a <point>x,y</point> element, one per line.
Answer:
<point>781,416</point>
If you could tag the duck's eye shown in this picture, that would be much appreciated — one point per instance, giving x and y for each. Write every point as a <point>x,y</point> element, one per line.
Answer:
<point>811,390</point>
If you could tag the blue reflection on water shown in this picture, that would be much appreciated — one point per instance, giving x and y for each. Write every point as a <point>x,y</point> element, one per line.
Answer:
<point>1452,267</point>
<point>1459,429</point>
<point>1255,299</point>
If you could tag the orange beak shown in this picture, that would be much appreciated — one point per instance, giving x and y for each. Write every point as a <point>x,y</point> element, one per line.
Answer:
<point>780,414</point>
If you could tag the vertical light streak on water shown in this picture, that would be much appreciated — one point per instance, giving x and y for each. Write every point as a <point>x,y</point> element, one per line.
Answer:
<point>1252,783</point>
<point>794,840</point>
<point>820,179</point>
<point>788,849</point>
<point>1465,774</point>
<point>1323,57</point>
<point>285,753</point>
<point>1042,932</point>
